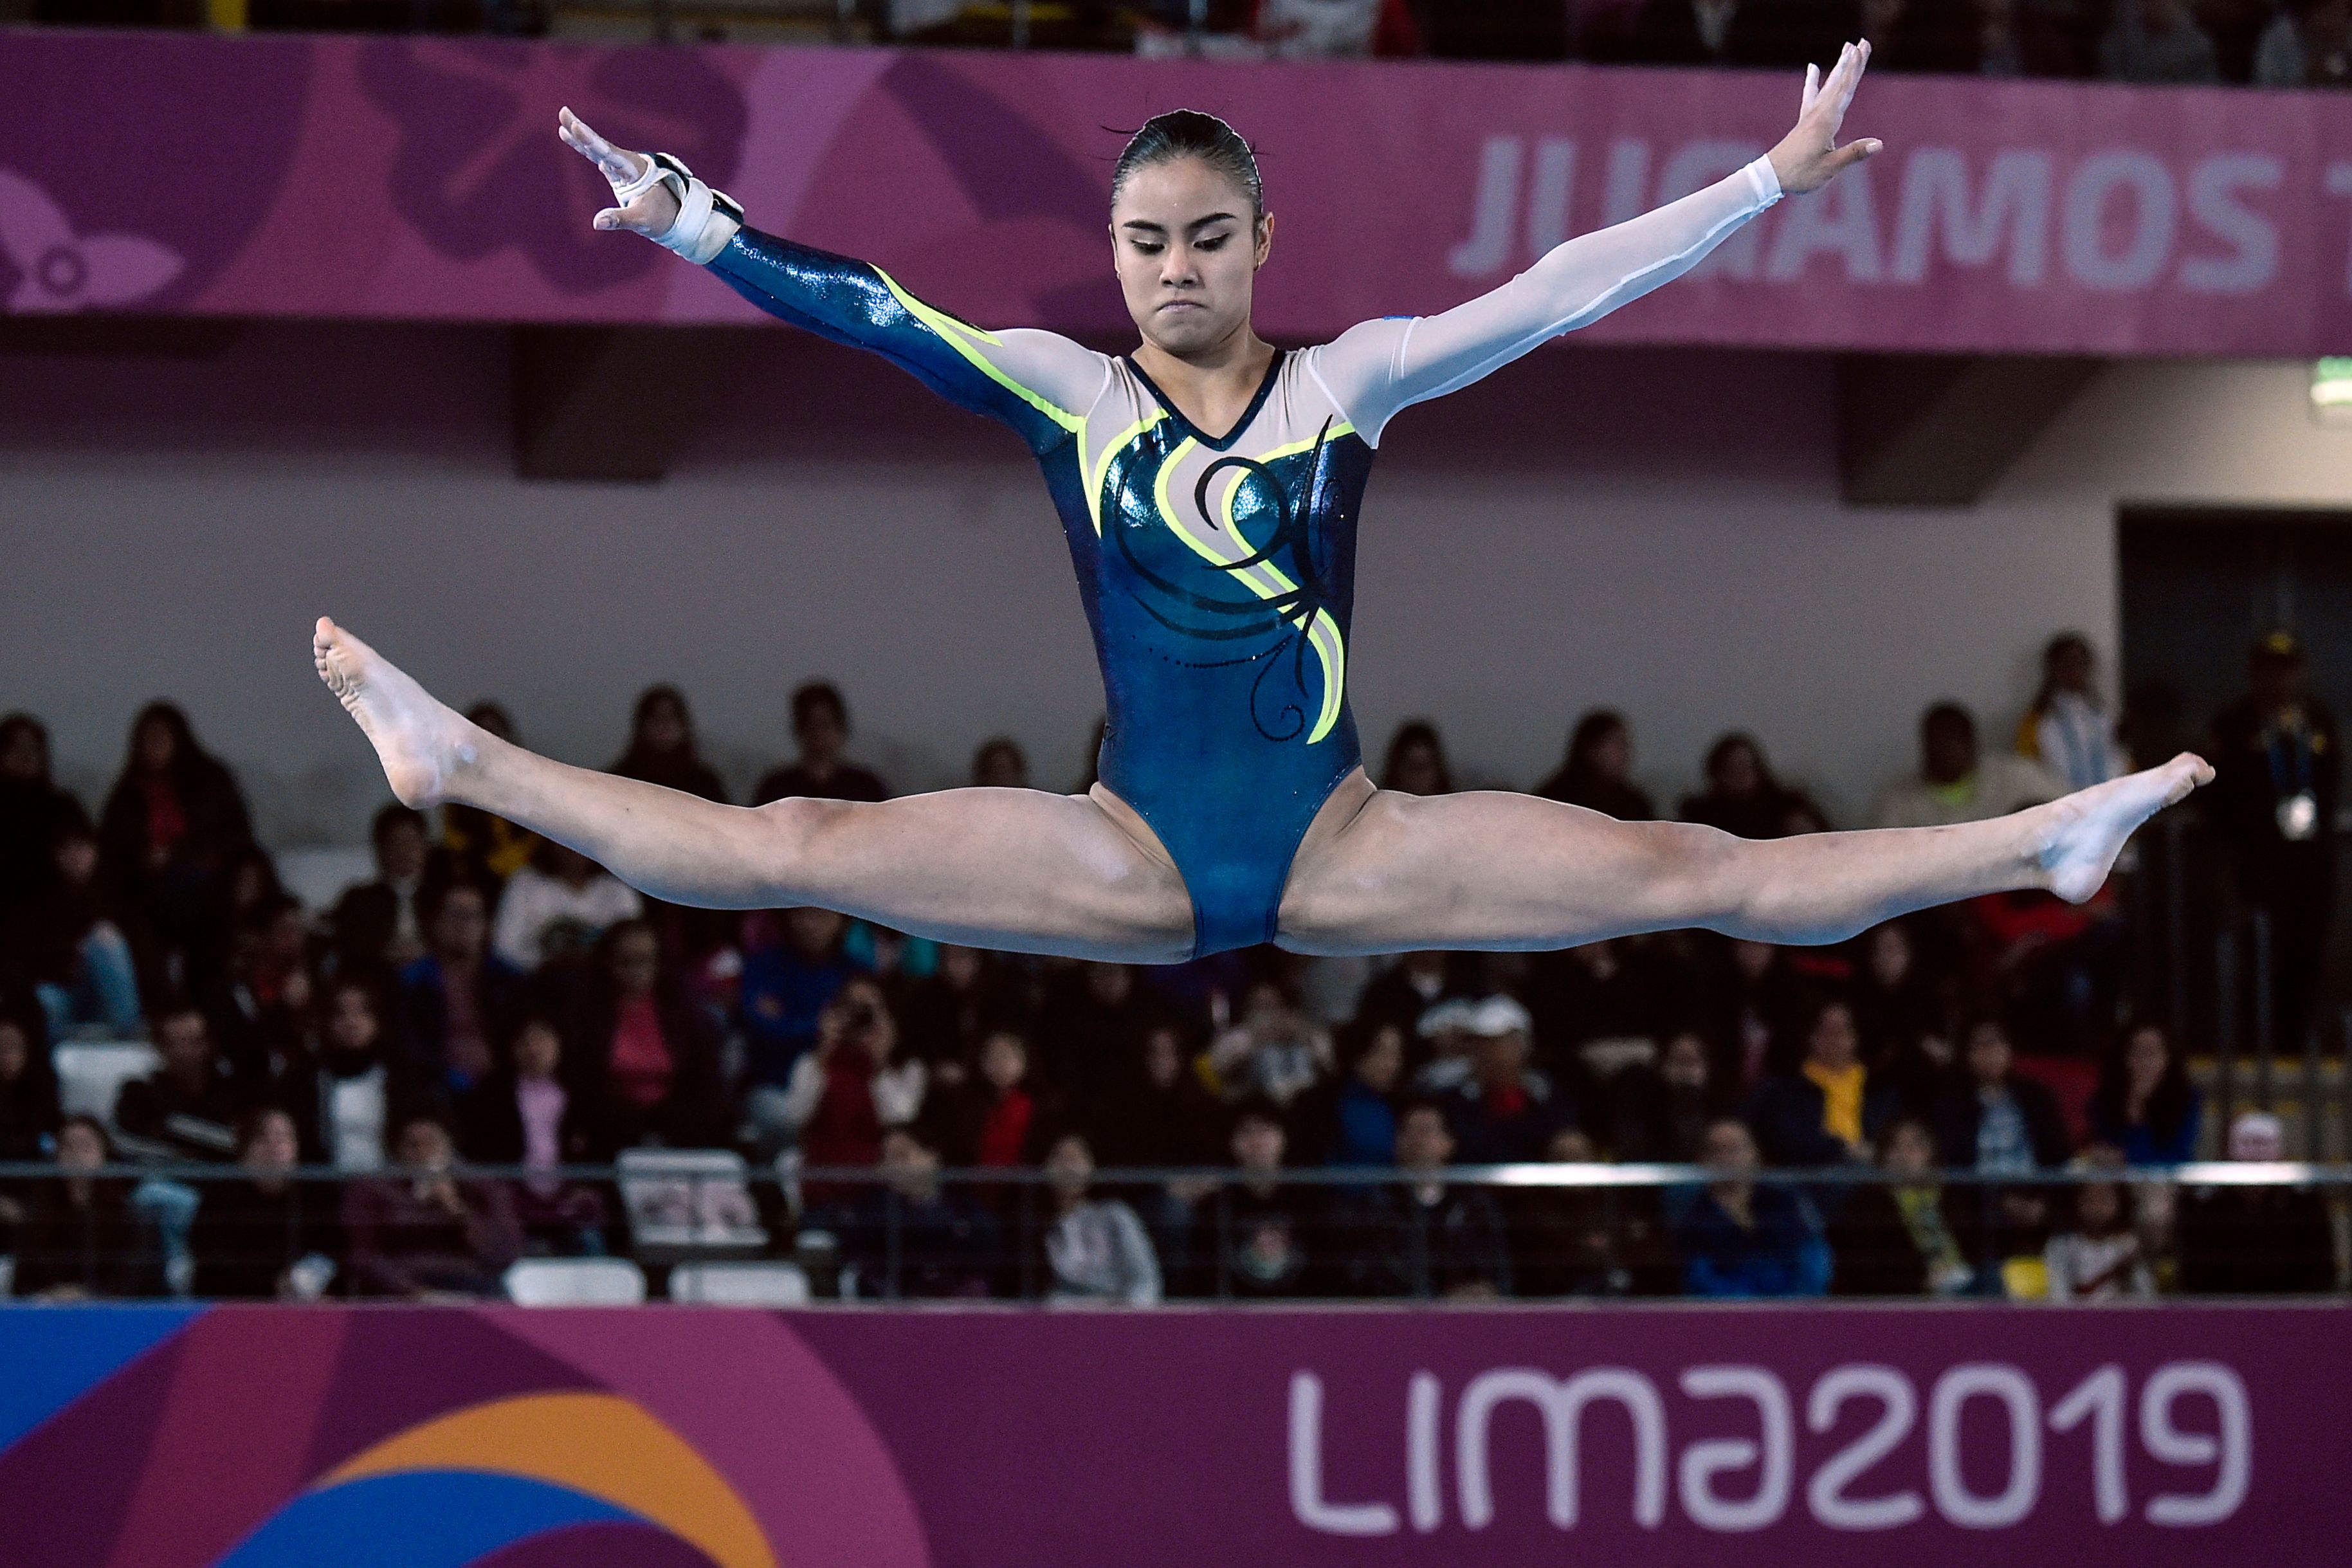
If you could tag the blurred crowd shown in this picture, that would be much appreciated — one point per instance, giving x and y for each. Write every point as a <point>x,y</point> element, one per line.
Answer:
<point>490,999</point>
<point>2271,43</point>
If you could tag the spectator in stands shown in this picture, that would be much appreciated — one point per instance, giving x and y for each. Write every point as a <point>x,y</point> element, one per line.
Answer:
<point>78,1238</point>
<point>2275,1239</point>
<point>266,1236</point>
<point>1425,1237</point>
<point>1661,1113</point>
<point>1505,1111</point>
<point>488,850</point>
<point>1609,992</point>
<point>991,1120</point>
<point>257,1016</point>
<point>1274,1051</point>
<point>1904,1015</point>
<point>1895,1239</point>
<point>1955,783</point>
<point>28,1089</point>
<point>459,1003</point>
<point>1261,1232</point>
<point>1157,1113</point>
<point>2278,766</point>
<point>912,1239</point>
<point>1829,1112</point>
<point>1405,990</point>
<point>1597,772</point>
<point>34,814</point>
<point>1363,1110</point>
<point>849,1089</point>
<point>2157,41</point>
<point>174,823</point>
<point>2145,1106</point>
<point>662,749</point>
<point>427,1233</point>
<point>1998,1122</point>
<point>2098,1257</point>
<point>380,924</point>
<point>2000,46</point>
<point>1416,762</point>
<point>525,1114</point>
<point>648,1059</point>
<point>1322,30</point>
<point>352,1084</point>
<point>188,1108</point>
<point>1742,1239</point>
<point>943,1014</point>
<point>1749,1006</point>
<point>1586,1241</point>
<point>1731,33</point>
<point>792,970</point>
<point>71,942</point>
<point>1742,797</point>
<point>556,908</point>
<point>821,728</point>
<point>1000,763</point>
<point>1094,1016</point>
<point>2308,44</point>
<point>1096,1247</point>
<point>2066,729</point>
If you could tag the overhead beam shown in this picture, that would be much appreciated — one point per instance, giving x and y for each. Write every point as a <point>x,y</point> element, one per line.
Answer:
<point>1941,429</point>
<point>614,404</point>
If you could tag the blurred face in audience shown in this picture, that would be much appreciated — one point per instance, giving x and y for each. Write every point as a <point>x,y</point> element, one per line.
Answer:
<point>662,727</point>
<point>814,933</point>
<point>350,1020</point>
<point>2257,1137</point>
<point>538,1050</point>
<point>1890,955</point>
<point>1728,1149</point>
<point>400,852</point>
<point>80,1147</point>
<point>462,926</point>
<point>1752,959</point>
<point>1111,983</point>
<point>1424,1140</point>
<point>1611,756</point>
<point>1948,749</point>
<point>960,967</point>
<point>912,1165</point>
<point>1383,1062</point>
<point>822,731</point>
<point>157,746</point>
<point>22,755</point>
<point>1503,1058</point>
<point>2070,667</point>
<point>1070,1164</point>
<point>76,860</point>
<point>1910,1151</point>
<point>1736,773</point>
<point>1163,1058</point>
<point>1003,1061</point>
<point>2099,1208</point>
<point>425,1146</point>
<point>1001,766</point>
<point>1832,1043</point>
<point>1989,1055</point>
<point>2145,1059</point>
<point>1187,254</point>
<point>636,962</point>
<point>1418,770</point>
<point>1570,1146</point>
<point>272,1148</point>
<point>15,1051</point>
<point>186,1045</point>
<point>1257,1144</point>
<point>1685,1066</point>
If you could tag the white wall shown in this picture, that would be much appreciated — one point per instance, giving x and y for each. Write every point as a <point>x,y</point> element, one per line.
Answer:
<point>1656,530</point>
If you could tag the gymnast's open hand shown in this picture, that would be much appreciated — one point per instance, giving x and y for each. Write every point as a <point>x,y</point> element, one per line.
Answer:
<point>647,207</point>
<point>1808,156</point>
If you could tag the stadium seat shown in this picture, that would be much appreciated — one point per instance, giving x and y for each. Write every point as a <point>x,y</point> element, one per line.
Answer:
<point>575,1282</point>
<point>90,1073</point>
<point>740,1284</point>
<point>689,1203</point>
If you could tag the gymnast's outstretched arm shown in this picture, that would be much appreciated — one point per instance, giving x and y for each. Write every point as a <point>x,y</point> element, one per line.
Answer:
<point>1375,369</point>
<point>1040,383</point>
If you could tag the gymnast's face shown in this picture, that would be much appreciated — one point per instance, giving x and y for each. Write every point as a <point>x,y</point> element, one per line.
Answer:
<point>1187,254</point>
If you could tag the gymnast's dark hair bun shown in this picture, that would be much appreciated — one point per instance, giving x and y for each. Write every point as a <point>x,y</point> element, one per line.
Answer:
<point>1190,133</point>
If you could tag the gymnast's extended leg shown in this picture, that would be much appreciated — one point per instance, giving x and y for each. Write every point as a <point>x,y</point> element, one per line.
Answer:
<point>1382,871</point>
<point>999,867</point>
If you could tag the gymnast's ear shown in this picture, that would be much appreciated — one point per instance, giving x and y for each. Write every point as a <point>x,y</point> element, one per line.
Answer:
<point>1264,239</point>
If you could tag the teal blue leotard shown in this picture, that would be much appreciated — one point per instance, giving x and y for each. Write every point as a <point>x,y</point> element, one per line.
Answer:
<point>1218,570</point>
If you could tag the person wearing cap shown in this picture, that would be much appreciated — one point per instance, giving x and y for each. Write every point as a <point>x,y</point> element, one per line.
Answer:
<point>1504,1111</point>
<point>2277,777</point>
<point>2269,1240</point>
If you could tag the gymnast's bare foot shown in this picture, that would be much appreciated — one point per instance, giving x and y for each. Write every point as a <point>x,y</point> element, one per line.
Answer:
<point>2085,831</point>
<point>421,743</point>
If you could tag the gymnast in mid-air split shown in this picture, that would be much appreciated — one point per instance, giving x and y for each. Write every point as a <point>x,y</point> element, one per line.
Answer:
<point>1209,484</point>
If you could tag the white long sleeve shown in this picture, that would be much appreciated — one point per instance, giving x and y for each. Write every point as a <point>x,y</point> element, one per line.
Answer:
<point>1374,369</point>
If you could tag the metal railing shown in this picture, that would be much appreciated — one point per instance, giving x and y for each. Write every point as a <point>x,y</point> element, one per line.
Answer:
<point>1215,1234</point>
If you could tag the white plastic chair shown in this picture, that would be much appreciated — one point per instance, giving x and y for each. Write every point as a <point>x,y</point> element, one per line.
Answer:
<point>740,1284</point>
<point>690,1202</point>
<point>90,1073</point>
<point>575,1282</point>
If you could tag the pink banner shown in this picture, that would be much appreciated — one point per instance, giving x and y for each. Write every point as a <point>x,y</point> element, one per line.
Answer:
<point>1826,1438</point>
<point>421,180</point>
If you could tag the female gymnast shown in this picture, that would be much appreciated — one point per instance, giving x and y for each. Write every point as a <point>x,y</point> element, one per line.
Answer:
<point>1209,486</point>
